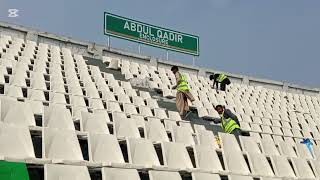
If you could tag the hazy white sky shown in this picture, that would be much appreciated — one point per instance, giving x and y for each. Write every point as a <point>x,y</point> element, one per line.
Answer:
<point>274,39</point>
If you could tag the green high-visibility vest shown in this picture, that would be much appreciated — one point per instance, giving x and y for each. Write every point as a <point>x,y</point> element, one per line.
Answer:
<point>183,84</point>
<point>221,77</point>
<point>228,125</point>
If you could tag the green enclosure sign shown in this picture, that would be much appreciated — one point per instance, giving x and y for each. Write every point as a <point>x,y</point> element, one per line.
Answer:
<point>129,29</point>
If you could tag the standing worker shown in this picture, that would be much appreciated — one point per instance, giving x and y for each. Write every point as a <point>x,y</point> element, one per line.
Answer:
<point>220,78</point>
<point>183,93</point>
<point>229,121</point>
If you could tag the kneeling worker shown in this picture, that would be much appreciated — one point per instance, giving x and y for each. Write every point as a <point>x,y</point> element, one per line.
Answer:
<point>229,121</point>
<point>220,78</point>
<point>183,93</point>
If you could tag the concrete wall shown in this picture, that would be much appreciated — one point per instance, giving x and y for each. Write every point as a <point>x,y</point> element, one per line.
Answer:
<point>93,50</point>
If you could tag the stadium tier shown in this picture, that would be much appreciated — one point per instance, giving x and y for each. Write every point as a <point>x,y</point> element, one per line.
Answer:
<point>78,110</point>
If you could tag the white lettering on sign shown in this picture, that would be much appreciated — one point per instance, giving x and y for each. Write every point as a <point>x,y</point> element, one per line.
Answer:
<point>146,33</point>
<point>126,26</point>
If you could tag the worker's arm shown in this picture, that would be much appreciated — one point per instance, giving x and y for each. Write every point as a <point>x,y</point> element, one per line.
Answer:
<point>178,79</point>
<point>228,113</point>
<point>217,120</point>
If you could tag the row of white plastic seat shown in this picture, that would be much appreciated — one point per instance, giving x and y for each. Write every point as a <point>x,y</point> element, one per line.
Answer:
<point>53,172</point>
<point>106,150</point>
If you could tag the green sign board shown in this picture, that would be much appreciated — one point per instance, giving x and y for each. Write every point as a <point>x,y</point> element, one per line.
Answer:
<point>137,31</point>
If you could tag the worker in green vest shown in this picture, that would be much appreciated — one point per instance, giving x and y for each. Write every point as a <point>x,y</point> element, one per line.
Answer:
<point>183,93</point>
<point>229,121</point>
<point>221,79</point>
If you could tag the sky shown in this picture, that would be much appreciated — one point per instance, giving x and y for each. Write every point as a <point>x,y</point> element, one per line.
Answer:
<point>272,39</point>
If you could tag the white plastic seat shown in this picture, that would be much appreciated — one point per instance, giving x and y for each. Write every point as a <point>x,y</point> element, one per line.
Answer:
<point>183,135</point>
<point>57,86</point>
<point>142,153</point>
<point>139,120</point>
<point>207,138</point>
<point>161,175</point>
<point>282,167</point>
<point>303,151</point>
<point>15,142</point>
<point>92,92</point>
<point>259,164</point>
<point>124,127</point>
<point>175,156</point>
<point>36,106</point>
<point>277,130</point>
<point>131,92</point>
<point>233,158</point>
<point>114,64</point>
<point>249,145</point>
<point>144,94</point>
<point>109,96</point>
<point>173,115</point>
<point>57,98</point>
<point>113,106</point>
<point>186,125</point>
<point>316,152</point>
<point>138,101</point>
<point>15,112</point>
<point>287,150</point>
<point>170,125</point>
<point>76,112</point>
<point>123,98</point>
<point>269,148</point>
<point>145,111</point>
<point>65,172</point>
<point>38,81</point>
<point>160,113</point>
<point>118,90</point>
<point>155,131</point>
<point>119,174</point>
<point>96,104</point>
<point>152,103</point>
<point>315,164</point>
<point>266,129</point>
<point>203,113</point>
<point>126,85</point>
<point>61,145</point>
<point>105,149</point>
<point>204,176</point>
<point>77,101</point>
<point>255,127</point>
<point>287,132</point>
<point>302,168</point>
<point>207,159</point>
<point>36,95</point>
<point>57,116</point>
<point>245,126</point>
<point>167,93</point>
<point>18,79</point>
<point>94,122</point>
<point>130,109</point>
<point>13,91</point>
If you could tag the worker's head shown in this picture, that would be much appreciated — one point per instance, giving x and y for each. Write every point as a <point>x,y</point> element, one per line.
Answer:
<point>211,76</point>
<point>219,108</point>
<point>174,69</point>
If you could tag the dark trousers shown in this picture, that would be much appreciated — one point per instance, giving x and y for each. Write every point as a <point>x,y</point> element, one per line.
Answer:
<point>224,83</point>
<point>237,133</point>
